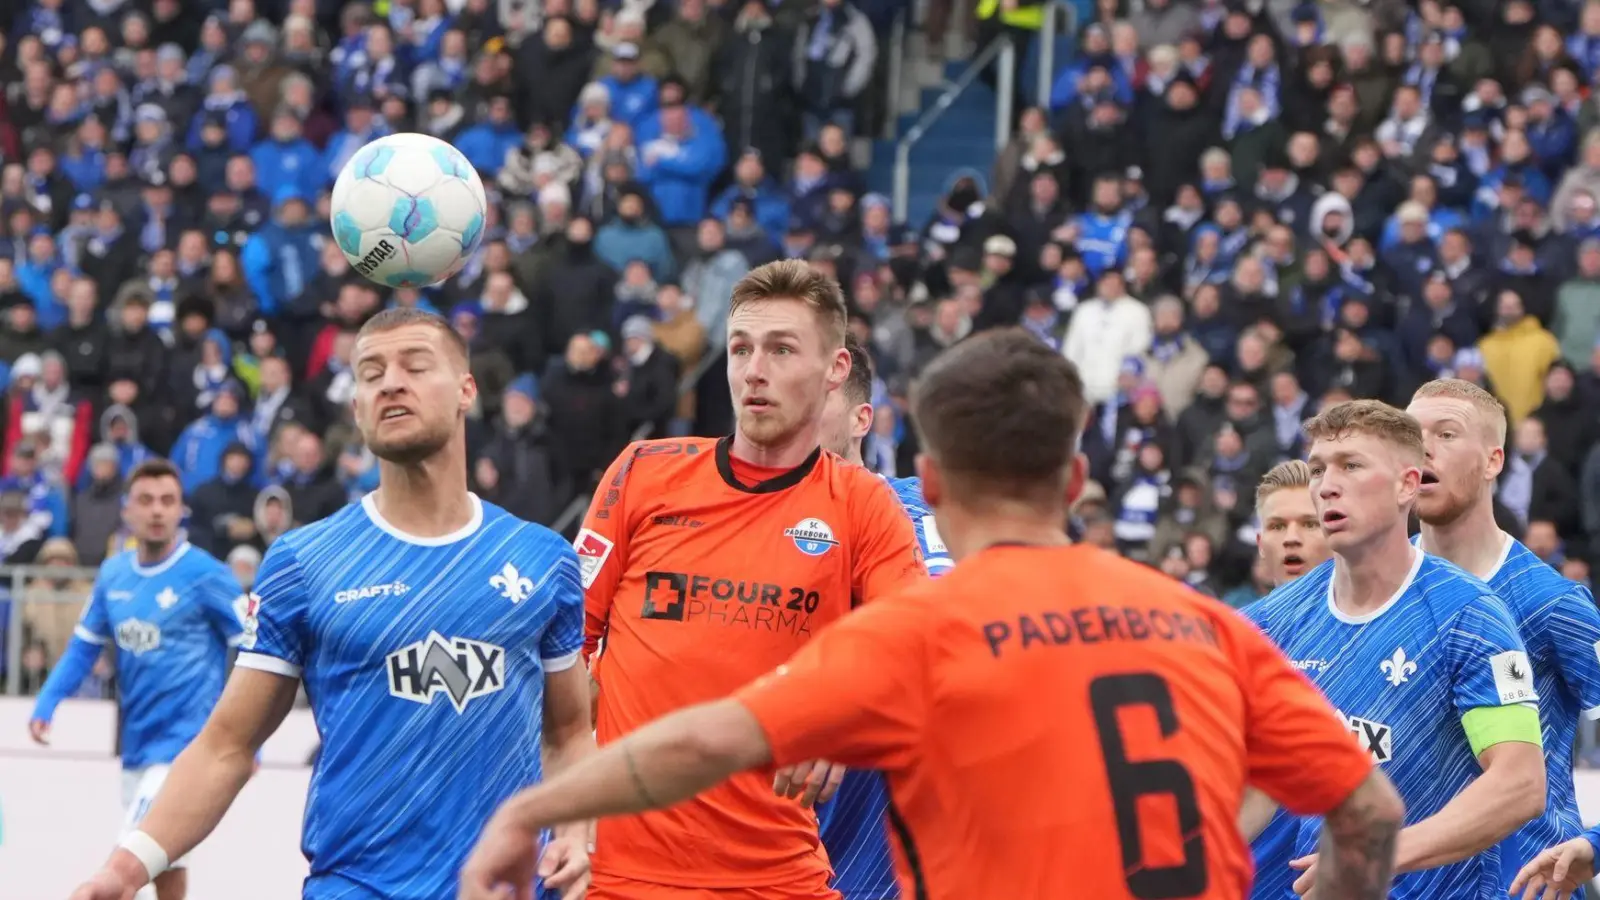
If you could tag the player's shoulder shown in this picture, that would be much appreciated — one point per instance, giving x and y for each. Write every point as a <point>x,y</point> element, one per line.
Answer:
<point>909,491</point>
<point>1453,594</point>
<point>1289,602</point>
<point>664,457</point>
<point>530,537</point>
<point>197,562</point>
<point>118,566</point>
<point>1528,583</point>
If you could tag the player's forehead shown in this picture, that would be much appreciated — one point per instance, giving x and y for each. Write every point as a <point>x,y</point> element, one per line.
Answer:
<point>759,321</point>
<point>1287,504</point>
<point>391,344</point>
<point>1432,412</point>
<point>155,486</point>
<point>1348,445</point>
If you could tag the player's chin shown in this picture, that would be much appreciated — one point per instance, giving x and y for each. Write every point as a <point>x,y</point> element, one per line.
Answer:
<point>763,425</point>
<point>411,446</point>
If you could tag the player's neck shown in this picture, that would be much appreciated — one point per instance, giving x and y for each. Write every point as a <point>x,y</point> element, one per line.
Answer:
<point>1473,541</point>
<point>965,532</point>
<point>1366,578</point>
<point>853,454</point>
<point>149,553</point>
<point>785,453</point>
<point>427,499</point>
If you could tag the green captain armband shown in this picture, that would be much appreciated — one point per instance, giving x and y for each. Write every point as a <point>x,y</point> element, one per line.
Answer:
<point>1490,725</point>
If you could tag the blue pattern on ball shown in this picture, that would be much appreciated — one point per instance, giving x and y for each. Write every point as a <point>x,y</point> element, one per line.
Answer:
<point>409,279</point>
<point>370,161</point>
<point>451,162</point>
<point>413,218</point>
<point>472,234</point>
<point>347,233</point>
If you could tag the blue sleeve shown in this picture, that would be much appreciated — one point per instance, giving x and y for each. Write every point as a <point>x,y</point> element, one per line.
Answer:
<point>935,555</point>
<point>69,672</point>
<point>256,260</point>
<point>94,625</point>
<point>1593,837</point>
<point>564,637</point>
<point>56,502</point>
<point>275,637</point>
<point>1487,659</point>
<point>225,606</point>
<point>1572,624</point>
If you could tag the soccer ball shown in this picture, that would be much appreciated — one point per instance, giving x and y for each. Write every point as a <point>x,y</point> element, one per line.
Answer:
<point>408,210</point>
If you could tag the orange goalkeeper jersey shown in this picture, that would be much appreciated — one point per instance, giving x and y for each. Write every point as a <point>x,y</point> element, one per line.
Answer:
<point>1058,722</point>
<point>701,573</point>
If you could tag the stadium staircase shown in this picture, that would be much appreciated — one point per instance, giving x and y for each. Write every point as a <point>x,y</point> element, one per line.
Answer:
<point>957,113</point>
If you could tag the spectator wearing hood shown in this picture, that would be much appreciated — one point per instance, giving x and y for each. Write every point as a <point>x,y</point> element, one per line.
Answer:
<point>286,157</point>
<point>198,451</point>
<point>281,258</point>
<point>119,431</point>
<point>221,511</point>
<point>96,507</point>
<point>631,235</point>
<point>651,392</point>
<point>224,97</point>
<point>515,467</point>
<point>752,184</point>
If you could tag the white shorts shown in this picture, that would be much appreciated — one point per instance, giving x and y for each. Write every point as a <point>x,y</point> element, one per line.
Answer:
<point>139,789</point>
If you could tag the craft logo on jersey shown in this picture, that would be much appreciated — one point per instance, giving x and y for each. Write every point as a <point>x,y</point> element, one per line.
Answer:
<point>138,637</point>
<point>392,589</point>
<point>1374,737</point>
<point>812,537</point>
<point>593,551</point>
<point>461,669</point>
<point>511,585</point>
<point>1396,669</point>
<point>1513,677</point>
<point>167,599</point>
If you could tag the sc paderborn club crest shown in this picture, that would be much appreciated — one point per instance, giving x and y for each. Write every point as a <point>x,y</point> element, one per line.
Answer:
<point>812,537</point>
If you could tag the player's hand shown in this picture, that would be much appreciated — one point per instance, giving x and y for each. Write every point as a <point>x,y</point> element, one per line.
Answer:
<point>813,782</point>
<point>1308,874</point>
<point>564,866</point>
<point>105,885</point>
<point>502,864</point>
<point>1557,872</point>
<point>39,730</point>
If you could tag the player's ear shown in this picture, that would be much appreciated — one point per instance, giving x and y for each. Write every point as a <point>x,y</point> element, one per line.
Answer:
<point>469,392</point>
<point>1497,464</point>
<point>1410,484</point>
<point>862,426</point>
<point>1077,477</point>
<point>839,369</point>
<point>932,481</point>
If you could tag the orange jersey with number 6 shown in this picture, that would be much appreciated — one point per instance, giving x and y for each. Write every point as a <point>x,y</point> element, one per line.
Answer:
<point>1060,722</point>
<point>702,572</point>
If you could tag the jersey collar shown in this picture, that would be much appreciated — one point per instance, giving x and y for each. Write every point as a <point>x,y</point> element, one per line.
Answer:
<point>789,479</point>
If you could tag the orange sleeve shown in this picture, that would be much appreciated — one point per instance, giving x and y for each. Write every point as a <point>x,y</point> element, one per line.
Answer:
<point>888,556</point>
<point>1300,753</point>
<point>602,546</point>
<point>855,694</point>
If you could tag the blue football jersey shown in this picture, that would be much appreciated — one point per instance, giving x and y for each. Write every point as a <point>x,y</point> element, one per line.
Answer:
<point>172,623</point>
<point>852,822</point>
<point>1561,625</point>
<point>1403,676</point>
<point>425,663</point>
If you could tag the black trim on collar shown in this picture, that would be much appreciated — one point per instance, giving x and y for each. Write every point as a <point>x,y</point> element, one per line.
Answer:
<point>772,485</point>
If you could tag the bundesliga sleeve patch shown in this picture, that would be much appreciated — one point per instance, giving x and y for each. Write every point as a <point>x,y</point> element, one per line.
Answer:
<point>593,551</point>
<point>1513,677</point>
<point>248,608</point>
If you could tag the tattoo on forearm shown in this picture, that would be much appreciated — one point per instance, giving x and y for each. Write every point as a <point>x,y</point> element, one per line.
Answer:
<point>638,780</point>
<point>1355,859</point>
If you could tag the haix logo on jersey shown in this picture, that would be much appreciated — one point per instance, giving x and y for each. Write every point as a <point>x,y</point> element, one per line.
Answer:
<point>138,637</point>
<point>392,589</point>
<point>1513,677</point>
<point>460,668</point>
<point>511,585</point>
<point>1374,737</point>
<point>593,551</point>
<point>1396,669</point>
<point>167,599</point>
<point>812,537</point>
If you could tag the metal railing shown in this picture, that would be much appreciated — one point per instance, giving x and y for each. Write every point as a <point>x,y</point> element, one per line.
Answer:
<point>897,62</point>
<point>1001,50</point>
<point>25,586</point>
<point>1057,13</point>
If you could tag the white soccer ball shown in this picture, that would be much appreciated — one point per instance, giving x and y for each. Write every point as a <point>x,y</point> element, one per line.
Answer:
<point>408,210</point>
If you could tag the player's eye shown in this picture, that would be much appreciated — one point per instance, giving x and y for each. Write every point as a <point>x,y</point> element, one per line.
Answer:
<point>1446,435</point>
<point>1351,466</point>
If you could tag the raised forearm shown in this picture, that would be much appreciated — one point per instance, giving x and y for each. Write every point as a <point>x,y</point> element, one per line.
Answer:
<point>1494,805</point>
<point>659,765</point>
<point>1356,854</point>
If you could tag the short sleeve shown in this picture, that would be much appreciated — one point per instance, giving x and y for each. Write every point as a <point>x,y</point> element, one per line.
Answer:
<point>855,694</point>
<point>935,555</point>
<point>1572,624</point>
<point>275,638</point>
<point>1487,658</point>
<point>226,606</point>
<point>602,547</point>
<point>563,637</point>
<point>94,625</point>
<point>887,554</point>
<point>1298,750</point>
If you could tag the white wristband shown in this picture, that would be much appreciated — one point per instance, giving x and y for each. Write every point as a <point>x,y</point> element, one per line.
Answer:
<point>147,851</point>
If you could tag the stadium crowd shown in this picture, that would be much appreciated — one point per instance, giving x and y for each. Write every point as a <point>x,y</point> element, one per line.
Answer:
<point>1227,214</point>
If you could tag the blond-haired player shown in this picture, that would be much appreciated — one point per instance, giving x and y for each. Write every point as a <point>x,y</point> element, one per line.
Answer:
<point>1423,661</point>
<point>1464,432</point>
<point>1290,538</point>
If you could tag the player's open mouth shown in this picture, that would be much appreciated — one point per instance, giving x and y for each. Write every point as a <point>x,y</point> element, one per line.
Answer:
<point>1293,561</point>
<point>394,412</point>
<point>1428,477</point>
<point>1332,517</point>
<point>757,403</point>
